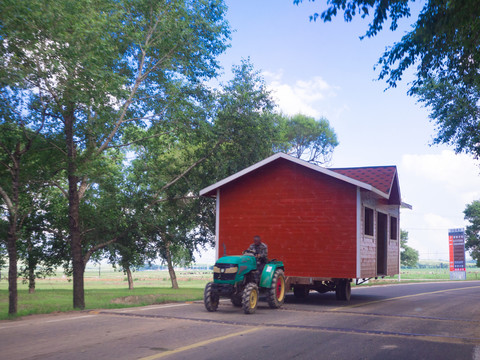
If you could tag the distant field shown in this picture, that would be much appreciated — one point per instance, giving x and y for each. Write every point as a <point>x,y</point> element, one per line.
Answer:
<point>106,288</point>
<point>408,275</point>
<point>109,279</point>
<point>438,274</point>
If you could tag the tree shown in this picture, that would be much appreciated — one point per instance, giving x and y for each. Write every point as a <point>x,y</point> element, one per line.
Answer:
<point>97,69</point>
<point>307,138</point>
<point>20,178</point>
<point>408,255</point>
<point>472,231</point>
<point>245,121</point>
<point>443,48</point>
<point>244,129</point>
<point>163,182</point>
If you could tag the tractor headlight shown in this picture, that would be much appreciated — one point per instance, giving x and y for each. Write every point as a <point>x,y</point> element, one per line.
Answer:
<point>231,270</point>
<point>225,271</point>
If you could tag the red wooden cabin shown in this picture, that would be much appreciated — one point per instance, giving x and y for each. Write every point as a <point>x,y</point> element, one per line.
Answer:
<point>324,224</point>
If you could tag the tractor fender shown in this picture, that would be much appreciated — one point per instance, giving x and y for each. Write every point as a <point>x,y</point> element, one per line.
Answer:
<point>267,274</point>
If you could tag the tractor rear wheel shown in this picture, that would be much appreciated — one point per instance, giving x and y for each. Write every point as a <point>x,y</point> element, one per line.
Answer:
<point>250,298</point>
<point>210,298</point>
<point>276,293</point>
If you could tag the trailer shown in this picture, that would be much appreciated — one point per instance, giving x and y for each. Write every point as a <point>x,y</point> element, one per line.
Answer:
<point>329,226</point>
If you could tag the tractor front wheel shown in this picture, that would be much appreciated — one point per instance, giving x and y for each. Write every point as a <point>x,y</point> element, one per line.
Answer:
<point>250,298</point>
<point>276,294</point>
<point>210,298</point>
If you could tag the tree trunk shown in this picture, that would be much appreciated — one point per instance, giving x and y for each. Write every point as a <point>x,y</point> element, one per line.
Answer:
<point>12,269</point>
<point>129,277</point>
<point>171,270</point>
<point>32,265</point>
<point>74,214</point>
<point>78,270</point>
<point>31,280</point>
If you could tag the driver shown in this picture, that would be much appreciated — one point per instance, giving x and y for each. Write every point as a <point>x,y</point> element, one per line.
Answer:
<point>260,251</point>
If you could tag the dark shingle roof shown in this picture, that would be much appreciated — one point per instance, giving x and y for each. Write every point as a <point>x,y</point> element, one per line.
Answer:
<point>380,177</point>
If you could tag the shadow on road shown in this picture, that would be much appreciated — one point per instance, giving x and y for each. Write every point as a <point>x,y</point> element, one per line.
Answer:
<point>328,300</point>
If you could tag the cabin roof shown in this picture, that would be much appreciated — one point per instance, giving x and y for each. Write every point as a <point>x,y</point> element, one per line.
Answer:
<point>380,177</point>
<point>382,180</point>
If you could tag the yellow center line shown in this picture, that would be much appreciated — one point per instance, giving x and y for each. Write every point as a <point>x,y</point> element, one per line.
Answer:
<point>402,297</point>
<point>201,343</point>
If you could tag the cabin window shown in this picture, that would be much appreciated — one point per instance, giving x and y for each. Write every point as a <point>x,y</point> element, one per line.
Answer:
<point>368,225</point>
<point>393,228</point>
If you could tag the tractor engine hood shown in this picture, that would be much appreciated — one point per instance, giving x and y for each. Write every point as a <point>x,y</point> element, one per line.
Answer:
<point>238,260</point>
<point>234,267</point>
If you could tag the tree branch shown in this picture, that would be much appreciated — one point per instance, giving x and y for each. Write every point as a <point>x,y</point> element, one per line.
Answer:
<point>180,176</point>
<point>7,200</point>
<point>96,248</point>
<point>57,185</point>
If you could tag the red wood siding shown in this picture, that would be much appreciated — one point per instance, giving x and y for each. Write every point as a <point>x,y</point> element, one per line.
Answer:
<point>307,219</point>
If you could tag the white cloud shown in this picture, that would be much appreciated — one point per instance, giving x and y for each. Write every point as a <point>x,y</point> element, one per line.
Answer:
<point>459,171</point>
<point>439,186</point>
<point>304,96</point>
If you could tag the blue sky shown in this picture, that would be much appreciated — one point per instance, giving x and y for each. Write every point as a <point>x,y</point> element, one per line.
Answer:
<point>324,69</point>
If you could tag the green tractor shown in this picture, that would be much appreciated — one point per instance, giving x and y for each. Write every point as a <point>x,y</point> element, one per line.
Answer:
<point>237,278</point>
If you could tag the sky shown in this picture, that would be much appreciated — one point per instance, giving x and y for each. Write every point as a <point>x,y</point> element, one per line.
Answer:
<point>325,70</point>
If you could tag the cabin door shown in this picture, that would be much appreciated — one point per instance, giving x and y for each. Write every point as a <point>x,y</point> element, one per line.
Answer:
<point>382,221</point>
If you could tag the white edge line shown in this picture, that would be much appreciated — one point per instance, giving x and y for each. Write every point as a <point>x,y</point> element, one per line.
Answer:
<point>70,318</point>
<point>151,307</point>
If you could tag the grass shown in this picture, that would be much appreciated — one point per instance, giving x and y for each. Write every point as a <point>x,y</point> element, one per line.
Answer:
<point>108,289</point>
<point>59,300</point>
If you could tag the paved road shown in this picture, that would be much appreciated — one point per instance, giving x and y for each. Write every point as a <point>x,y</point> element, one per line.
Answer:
<point>414,321</point>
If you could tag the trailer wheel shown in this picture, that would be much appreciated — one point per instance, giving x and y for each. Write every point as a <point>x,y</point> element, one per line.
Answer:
<point>343,290</point>
<point>210,298</point>
<point>276,294</point>
<point>250,298</point>
<point>300,291</point>
<point>236,300</point>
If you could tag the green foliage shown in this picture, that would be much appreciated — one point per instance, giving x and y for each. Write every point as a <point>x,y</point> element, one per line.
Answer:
<point>307,138</point>
<point>408,255</point>
<point>472,231</point>
<point>443,48</point>
<point>245,122</point>
<point>383,10</point>
<point>90,73</point>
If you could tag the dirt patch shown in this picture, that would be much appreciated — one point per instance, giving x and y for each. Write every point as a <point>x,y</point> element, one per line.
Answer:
<point>140,299</point>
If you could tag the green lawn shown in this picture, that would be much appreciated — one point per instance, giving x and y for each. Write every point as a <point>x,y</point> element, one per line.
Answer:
<point>107,291</point>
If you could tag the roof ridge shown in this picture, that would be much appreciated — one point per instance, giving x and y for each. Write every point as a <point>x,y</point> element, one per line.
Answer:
<point>363,167</point>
